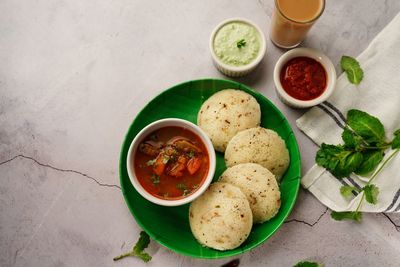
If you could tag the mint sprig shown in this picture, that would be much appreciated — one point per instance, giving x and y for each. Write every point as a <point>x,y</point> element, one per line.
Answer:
<point>362,152</point>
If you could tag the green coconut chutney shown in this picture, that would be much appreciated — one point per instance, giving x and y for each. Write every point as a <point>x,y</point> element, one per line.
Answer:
<point>237,43</point>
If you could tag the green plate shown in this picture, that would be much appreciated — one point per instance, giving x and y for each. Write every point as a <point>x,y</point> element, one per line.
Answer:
<point>169,226</point>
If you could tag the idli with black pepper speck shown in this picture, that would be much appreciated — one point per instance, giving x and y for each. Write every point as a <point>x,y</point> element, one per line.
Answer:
<point>226,113</point>
<point>259,186</point>
<point>221,218</point>
<point>261,146</point>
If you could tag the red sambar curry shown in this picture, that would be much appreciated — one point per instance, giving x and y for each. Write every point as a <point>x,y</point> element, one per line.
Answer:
<point>171,163</point>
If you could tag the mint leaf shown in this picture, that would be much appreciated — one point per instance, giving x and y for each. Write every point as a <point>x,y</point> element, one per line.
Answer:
<point>352,68</point>
<point>348,163</point>
<point>347,190</point>
<point>353,161</point>
<point>371,193</point>
<point>137,250</point>
<point>328,156</point>
<point>396,140</point>
<point>308,264</point>
<point>347,215</point>
<point>368,127</point>
<point>348,138</point>
<point>337,160</point>
<point>351,140</point>
<point>371,160</point>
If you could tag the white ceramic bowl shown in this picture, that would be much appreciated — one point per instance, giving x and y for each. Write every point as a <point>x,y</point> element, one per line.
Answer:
<point>237,71</point>
<point>151,128</point>
<point>311,53</point>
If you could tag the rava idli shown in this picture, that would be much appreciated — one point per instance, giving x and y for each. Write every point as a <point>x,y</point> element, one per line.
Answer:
<point>259,186</point>
<point>226,113</point>
<point>221,218</point>
<point>258,145</point>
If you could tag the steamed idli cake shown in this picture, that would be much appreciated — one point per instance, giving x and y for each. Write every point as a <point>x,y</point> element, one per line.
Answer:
<point>226,113</point>
<point>221,218</point>
<point>259,186</point>
<point>258,145</point>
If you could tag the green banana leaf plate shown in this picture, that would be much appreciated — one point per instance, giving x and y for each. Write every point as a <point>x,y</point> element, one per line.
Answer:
<point>169,226</point>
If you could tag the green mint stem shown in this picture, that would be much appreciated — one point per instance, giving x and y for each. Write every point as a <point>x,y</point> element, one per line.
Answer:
<point>383,165</point>
<point>378,147</point>
<point>122,256</point>
<point>375,174</point>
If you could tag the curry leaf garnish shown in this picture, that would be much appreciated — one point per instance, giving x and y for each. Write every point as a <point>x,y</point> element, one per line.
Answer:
<point>150,162</point>
<point>138,249</point>
<point>165,159</point>
<point>181,186</point>
<point>155,179</point>
<point>362,152</point>
<point>352,68</point>
<point>241,43</point>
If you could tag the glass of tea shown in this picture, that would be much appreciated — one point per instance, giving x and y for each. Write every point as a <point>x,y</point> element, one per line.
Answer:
<point>292,19</point>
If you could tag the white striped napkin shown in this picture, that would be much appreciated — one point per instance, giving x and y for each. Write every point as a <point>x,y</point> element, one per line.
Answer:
<point>379,95</point>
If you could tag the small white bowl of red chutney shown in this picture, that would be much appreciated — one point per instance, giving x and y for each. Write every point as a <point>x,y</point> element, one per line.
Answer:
<point>171,162</point>
<point>304,77</point>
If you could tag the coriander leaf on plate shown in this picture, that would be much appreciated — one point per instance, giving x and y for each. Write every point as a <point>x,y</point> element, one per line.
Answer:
<point>308,264</point>
<point>371,160</point>
<point>347,190</point>
<point>241,43</point>
<point>368,127</point>
<point>396,140</point>
<point>352,68</point>
<point>137,250</point>
<point>349,215</point>
<point>371,193</point>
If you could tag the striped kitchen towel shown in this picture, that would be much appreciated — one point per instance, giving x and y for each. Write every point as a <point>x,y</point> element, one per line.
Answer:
<point>379,95</point>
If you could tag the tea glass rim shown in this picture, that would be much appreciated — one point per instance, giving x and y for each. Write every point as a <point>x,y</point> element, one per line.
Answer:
<point>300,22</point>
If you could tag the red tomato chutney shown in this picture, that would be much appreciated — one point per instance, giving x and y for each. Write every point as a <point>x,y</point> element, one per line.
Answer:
<point>171,163</point>
<point>303,78</point>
